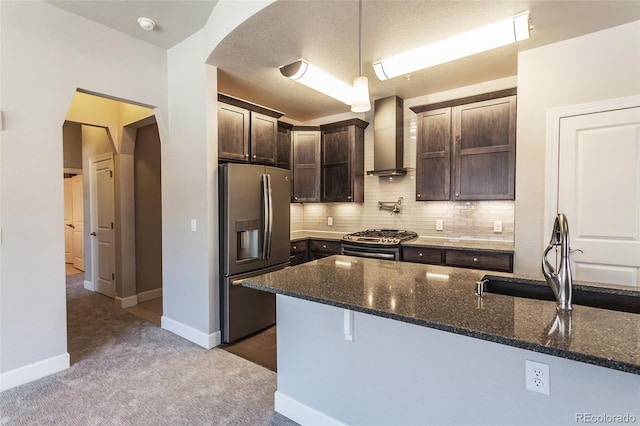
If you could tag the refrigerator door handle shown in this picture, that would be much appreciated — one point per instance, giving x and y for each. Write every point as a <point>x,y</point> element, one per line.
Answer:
<point>270,213</point>
<point>265,215</point>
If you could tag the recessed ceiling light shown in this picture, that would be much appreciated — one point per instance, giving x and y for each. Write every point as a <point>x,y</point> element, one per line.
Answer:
<point>146,23</point>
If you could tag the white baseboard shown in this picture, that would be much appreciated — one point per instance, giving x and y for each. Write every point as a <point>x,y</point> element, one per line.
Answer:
<point>145,296</point>
<point>34,371</point>
<point>89,285</point>
<point>300,413</point>
<point>205,340</point>
<point>126,302</point>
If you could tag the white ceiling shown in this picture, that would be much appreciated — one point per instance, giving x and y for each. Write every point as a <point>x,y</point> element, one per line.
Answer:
<point>325,32</point>
<point>175,19</point>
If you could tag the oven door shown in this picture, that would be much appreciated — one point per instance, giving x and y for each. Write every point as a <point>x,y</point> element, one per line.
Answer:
<point>375,252</point>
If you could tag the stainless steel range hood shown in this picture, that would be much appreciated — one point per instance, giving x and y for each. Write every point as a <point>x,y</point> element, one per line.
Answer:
<point>388,138</point>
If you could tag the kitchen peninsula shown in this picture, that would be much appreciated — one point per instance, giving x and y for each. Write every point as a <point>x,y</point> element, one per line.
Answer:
<point>364,341</point>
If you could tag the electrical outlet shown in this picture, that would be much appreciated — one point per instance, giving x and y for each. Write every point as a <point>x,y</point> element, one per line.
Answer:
<point>330,221</point>
<point>497,226</point>
<point>439,225</point>
<point>536,376</point>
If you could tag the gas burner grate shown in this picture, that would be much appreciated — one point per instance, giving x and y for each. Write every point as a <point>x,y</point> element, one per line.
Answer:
<point>380,236</point>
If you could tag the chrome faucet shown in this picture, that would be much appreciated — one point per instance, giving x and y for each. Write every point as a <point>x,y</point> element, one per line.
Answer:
<point>560,281</point>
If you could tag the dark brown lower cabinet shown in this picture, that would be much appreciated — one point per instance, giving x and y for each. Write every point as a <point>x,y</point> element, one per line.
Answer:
<point>502,261</point>
<point>462,258</point>
<point>432,256</point>
<point>298,252</point>
<point>479,260</point>
<point>323,248</point>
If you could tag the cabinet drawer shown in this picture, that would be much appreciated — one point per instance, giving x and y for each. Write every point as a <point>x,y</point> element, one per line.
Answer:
<point>422,255</point>
<point>325,247</point>
<point>480,260</point>
<point>298,247</point>
<point>297,259</point>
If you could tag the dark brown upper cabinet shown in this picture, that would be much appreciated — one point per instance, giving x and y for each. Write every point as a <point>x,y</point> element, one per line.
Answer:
<point>305,164</point>
<point>466,148</point>
<point>484,150</point>
<point>246,132</point>
<point>433,155</point>
<point>343,161</point>
<point>283,151</point>
<point>233,133</point>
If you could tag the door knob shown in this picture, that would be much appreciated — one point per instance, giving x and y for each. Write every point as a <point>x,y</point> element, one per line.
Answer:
<point>93,234</point>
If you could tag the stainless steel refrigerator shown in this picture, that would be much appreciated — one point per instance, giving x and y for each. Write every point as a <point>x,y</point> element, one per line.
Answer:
<point>254,239</point>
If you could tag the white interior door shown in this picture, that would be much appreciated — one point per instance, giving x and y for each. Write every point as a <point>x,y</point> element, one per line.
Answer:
<point>102,215</point>
<point>599,192</point>
<point>78,222</point>
<point>68,221</point>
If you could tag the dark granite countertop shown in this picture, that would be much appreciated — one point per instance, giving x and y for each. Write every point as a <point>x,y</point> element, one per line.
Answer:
<point>443,298</point>
<point>462,243</point>
<point>450,243</point>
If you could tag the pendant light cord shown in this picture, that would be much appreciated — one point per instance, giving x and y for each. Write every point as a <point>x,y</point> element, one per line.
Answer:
<point>360,36</point>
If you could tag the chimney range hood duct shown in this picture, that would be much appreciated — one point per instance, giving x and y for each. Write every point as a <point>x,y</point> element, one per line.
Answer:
<point>388,138</point>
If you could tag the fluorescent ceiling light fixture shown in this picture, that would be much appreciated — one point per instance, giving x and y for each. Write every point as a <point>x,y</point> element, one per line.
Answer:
<point>319,80</point>
<point>470,43</point>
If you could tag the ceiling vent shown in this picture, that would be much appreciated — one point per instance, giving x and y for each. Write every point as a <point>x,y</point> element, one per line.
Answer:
<point>388,138</point>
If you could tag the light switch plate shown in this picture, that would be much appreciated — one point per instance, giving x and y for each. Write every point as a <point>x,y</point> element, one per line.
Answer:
<point>497,226</point>
<point>439,225</point>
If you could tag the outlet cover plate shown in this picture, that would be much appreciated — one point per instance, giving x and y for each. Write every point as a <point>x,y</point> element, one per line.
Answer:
<point>536,376</point>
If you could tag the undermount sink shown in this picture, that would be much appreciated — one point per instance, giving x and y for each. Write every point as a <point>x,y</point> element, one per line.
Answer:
<point>597,297</point>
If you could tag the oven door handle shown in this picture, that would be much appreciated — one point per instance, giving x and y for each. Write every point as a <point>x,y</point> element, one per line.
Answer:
<point>389,256</point>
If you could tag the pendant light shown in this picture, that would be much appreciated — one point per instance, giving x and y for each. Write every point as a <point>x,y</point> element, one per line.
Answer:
<point>361,102</point>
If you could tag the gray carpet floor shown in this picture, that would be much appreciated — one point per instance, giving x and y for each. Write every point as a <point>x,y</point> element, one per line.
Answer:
<point>127,371</point>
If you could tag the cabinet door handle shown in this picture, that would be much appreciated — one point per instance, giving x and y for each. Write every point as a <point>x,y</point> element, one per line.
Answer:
<point>254,155</point>
<point>349,197</point>
<point>475,259</point>
<point>295,248</point>
<point>420,254</point>
<point>419,195</point>
<point>457,194</point>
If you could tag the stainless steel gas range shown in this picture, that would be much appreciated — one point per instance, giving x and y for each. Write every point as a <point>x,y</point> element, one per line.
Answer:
<point>376,243</point>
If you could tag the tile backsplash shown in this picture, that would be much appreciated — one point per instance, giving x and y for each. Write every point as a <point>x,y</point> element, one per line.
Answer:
<point>461,220</point>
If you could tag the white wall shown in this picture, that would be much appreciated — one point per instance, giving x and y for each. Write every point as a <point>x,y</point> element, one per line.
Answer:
<point>189,180</point>
<point>395,373</point>
<point>594,67</point>
<point>185,187</point>
<point>46,54</point>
